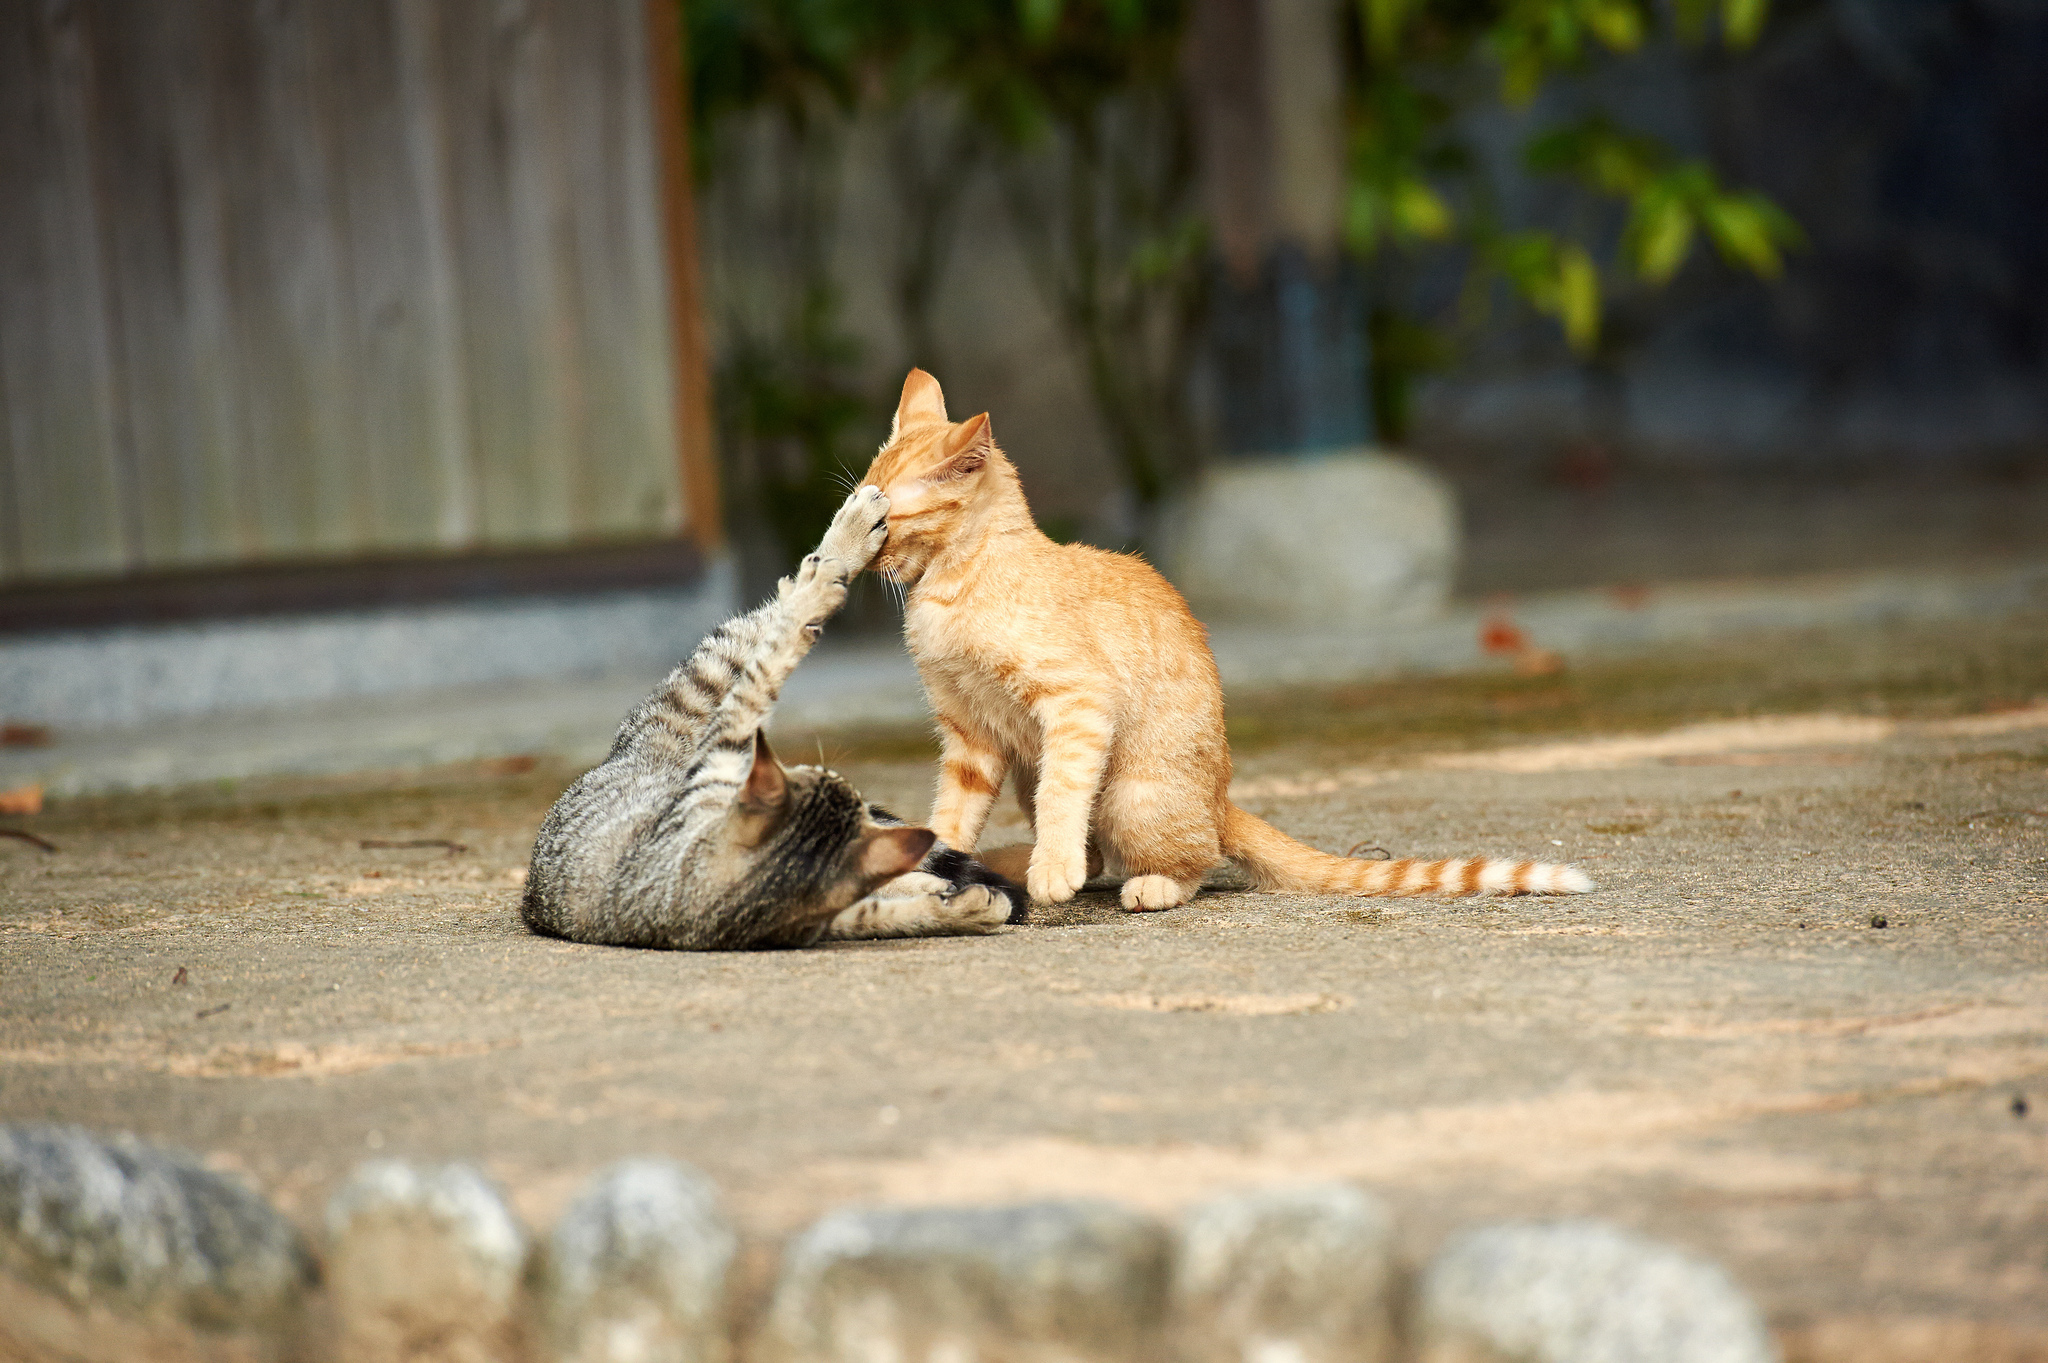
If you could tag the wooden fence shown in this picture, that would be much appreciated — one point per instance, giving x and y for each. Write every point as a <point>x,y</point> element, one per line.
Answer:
<point>311,279</point>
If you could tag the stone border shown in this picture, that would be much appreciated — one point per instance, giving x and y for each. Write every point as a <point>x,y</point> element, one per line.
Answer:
<point>117,1249</point>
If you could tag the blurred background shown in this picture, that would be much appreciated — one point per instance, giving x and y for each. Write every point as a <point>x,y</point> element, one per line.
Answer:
<point>356,354</point>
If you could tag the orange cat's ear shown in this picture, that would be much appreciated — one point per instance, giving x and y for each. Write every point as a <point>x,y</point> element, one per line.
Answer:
<point>968,446</point>
<point>922,401</point>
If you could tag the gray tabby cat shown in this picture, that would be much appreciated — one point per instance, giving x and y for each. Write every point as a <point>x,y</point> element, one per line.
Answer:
<point>691,835</point>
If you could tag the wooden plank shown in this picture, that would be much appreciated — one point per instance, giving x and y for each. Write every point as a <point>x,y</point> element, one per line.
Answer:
<point>290,305</point>
<point>689,349</point>
<point>67,492</point>
<point>289,278</point>
<point>447,441</point>
<point>164,231</point>
<point>627,482</point>
<point>507,215</point>
<point>401,351</point>
<point>645,342</point>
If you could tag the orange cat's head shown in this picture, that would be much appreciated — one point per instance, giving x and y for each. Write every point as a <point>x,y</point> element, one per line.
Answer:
<point>937,474</point>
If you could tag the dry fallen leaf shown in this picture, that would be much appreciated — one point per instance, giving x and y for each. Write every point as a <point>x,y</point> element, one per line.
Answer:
<point>22,800</point>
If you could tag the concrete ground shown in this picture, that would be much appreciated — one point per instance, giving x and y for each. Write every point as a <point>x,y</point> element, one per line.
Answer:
<point>1721,1047</point>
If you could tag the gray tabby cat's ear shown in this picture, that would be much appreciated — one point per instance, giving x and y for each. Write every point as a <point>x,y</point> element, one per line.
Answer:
<point>922,401</point>
<point>892,851</point>
<point>765,797</point>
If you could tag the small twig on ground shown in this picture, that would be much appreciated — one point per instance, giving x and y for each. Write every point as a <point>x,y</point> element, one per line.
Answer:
<point>27,836</point>
<point>454,848</point>
<point>209,1012</point>
<point>1372,852</point>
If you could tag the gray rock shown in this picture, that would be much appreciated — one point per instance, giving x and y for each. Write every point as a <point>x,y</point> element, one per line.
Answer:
<point>1582,1292</point>
<point>1047,1283</point>
<point>424,1263</point>
<point>1343,540</point>
<point>103,1237</point>
<point>119,1220</point>
<point>1303,1274</point>
<point>636,1270</point>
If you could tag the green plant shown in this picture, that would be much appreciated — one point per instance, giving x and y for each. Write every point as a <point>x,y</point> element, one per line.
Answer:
<point>1422,68</point>
<point>1077,109</point>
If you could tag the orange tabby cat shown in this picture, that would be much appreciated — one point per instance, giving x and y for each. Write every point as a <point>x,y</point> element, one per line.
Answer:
<point>1081,676</point>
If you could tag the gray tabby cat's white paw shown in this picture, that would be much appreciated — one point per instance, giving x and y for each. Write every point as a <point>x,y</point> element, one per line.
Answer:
<point>976,908</point>
<point>858,529</point>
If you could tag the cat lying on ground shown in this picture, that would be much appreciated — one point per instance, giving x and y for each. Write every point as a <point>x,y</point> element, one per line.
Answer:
<point>691,835</point>
<point>1081,676</point>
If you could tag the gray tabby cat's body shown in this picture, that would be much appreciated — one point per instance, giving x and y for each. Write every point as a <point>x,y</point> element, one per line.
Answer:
<point>690,834</point>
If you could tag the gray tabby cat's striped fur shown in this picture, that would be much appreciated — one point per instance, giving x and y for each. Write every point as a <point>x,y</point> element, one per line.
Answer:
<point>691,835</point>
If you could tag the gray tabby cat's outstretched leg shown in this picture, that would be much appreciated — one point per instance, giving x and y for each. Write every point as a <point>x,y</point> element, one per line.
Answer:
<point>804,603</point>
<point>724,690</point>
<point>921,905</point>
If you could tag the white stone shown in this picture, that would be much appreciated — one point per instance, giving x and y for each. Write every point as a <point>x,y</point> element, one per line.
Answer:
<point>1582,1292</point>
<point>1339,540</point>
<point>112,1248</point>
<point>636,1270</point>
<point>424,1264</point>
<point>1064,1282</point>
<point>1286,1275</point>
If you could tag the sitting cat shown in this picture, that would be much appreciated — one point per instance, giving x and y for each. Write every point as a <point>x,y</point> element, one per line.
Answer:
<point>691,835</point>
<point>1081,676</point>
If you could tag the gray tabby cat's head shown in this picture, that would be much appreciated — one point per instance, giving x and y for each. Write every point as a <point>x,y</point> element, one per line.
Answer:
<point>800,846</point>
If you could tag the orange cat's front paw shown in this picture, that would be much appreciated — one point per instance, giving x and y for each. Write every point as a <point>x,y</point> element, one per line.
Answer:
<point>1055,879</point>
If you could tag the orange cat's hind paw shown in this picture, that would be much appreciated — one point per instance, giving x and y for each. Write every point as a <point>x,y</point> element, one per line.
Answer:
<point>1149,894</point>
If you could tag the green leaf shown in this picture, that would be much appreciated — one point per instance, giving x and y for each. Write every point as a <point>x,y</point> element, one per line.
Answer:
<point>1659,235</point>
<point>1578,297</point>
<point>1747,229</point>
<point>1558,278</point>
<point>1421,211</point>
<point>1616,23</point>
<point>1743,20</point>
<point>1611,161</point>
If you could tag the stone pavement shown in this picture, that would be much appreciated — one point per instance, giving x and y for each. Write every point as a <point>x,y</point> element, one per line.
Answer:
<point>874,683</point>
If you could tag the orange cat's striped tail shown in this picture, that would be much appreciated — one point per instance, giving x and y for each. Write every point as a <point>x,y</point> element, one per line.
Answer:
<point>1278,862</point>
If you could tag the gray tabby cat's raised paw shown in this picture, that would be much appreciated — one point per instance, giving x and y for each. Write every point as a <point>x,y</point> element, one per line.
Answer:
<point>816,593</point>
<point>859,528</point>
